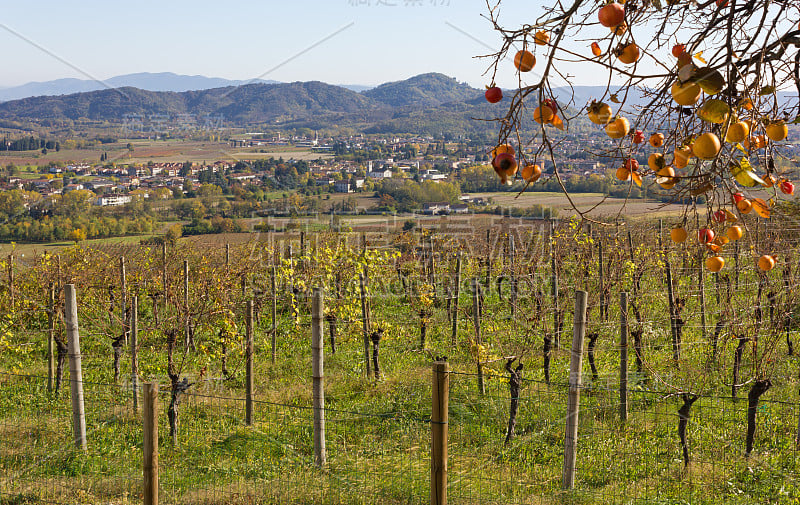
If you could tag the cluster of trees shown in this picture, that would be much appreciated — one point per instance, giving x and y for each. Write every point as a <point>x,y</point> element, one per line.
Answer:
<point>26,216</point>
<point>216,224</point>
<point>404,195</point>
<point>29,144</point>
<point>57,228</point>
<point>477,179</point>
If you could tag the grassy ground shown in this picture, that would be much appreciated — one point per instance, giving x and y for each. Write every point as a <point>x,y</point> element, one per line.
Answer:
<point>378,431</point>
<point>596,202</point>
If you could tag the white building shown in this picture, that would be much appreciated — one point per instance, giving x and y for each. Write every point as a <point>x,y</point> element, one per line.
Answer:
<point>431,175</point>
<point>113,200</point>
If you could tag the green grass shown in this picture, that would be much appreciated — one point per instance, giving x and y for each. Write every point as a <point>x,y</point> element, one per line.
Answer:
<point>378,432</point>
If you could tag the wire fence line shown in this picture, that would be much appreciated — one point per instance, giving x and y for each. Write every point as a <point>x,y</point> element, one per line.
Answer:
<point>218,459</point>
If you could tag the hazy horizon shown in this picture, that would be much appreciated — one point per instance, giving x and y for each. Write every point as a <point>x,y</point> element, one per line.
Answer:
<point>353,42</point>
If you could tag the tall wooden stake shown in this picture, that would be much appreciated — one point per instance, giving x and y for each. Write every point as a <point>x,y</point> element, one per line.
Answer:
<point>76,375</point>
<point>248,384</point>
<point>676,351</point>
<point>432,265</point>
<point>150,444</point>
<point>439,432</point>
<point>554,292</point>
<point>601,270</point>
<point>512,273</point>
<point>476,318</point>
<point>164,276</point>
<point>701,282</point>
<point>318,375</point>
<point>573,403</point>
<point>364,323</point>
<point>623,357</point>
<point>135,352</point>
<point>274,331</point>
<point>11,277</point>
<point>454,335</point>
<point>51,325</point>
<point>187,337</point>
<point>123,282</point>
<point>227,257</point>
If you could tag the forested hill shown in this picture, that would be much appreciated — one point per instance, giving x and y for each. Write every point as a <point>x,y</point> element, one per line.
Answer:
<point>425,104</point>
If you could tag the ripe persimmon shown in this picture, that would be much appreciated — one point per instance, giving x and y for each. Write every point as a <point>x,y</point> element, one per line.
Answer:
<point>776,130</point>
<point>599,112</point>
<point>611,15</point>
<point>531,173</point>
<point>628,54</point>
<point>503,148</point>
<point>706,146</point>
<point>715,263</point>
<point>505,165</point>
<point>744,206</point>
<point>618,128</point>
<point>737,132</point>
<point>681,156</point>
<point>678,234</point>
<point>766,263</point>
<point>524,60</point>
<point>656,161</point>
<point>685,94</point>
<point>543,114</point>
<point>657,139</point>
<point>735,232</point>
<point>541,38</point>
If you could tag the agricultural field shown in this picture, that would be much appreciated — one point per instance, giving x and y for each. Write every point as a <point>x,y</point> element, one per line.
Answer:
<point>710,413</point>
<point>159,151</point>
<point>596,204</point>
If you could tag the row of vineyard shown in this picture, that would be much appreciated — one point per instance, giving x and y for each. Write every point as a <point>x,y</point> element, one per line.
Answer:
<point>711,376</point>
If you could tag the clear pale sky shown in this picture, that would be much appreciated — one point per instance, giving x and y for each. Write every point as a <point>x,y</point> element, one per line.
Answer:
<point>377,40</point>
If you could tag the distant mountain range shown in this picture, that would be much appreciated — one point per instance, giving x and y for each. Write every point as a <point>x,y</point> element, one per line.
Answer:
<point>163,81</point>
<point>427,103</point>
<point>432,104</point>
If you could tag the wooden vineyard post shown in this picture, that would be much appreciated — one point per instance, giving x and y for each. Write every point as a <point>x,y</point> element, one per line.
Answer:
<point>439,432</point>
<point>476,318</point>
<point>573,404</point>
<point>187,337</point>
<point>318,375</point>
<point>432,266</point>
<point>554,291</point>
<point>488,284</point>
<point>701,282</point>
<point>11,277</point>
<point>274,331</point>
<point>456,295</point>
<point>603,307</point>
<point>76,375</point>
<point>135,352</point>
<point>150,444</point>
<point>736,265</point>
<point>364,322</point>
<point>227,257</point>
<point>623,357</point>
<point>123,282</point>
<point>51,331</point>
<point>512,275</point>
<point>248,384</point>
<point>676,350</point>
<point>164,275</point>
